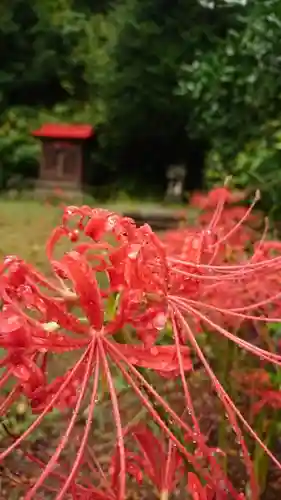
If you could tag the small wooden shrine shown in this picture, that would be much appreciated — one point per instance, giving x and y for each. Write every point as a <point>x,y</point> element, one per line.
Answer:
<point>64,154</point>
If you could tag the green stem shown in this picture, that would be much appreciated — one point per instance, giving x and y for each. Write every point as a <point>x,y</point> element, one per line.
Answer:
<point>260,458</point>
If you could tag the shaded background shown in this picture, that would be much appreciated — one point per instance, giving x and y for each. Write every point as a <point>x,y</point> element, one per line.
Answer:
<point>162,82</point>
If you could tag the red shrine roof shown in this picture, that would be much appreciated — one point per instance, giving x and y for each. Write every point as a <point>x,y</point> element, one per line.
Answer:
<point>64,131</point>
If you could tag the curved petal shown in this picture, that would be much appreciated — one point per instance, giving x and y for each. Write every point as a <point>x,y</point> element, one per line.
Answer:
<point>159,358</point>
<point>86,287</point>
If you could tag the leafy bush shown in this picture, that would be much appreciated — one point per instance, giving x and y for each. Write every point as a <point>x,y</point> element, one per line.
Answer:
<point>257,166</point>
<point>231,92</point>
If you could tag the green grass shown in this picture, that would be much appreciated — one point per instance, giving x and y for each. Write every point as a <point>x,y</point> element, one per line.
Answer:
<point>24,229</point>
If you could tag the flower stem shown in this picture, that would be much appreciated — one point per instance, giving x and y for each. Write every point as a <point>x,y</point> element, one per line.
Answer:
<point>260,458</point>
<point>164,495</point>
<point>224,361</point>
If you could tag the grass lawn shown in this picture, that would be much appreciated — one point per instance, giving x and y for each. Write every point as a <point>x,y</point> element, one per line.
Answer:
<point>24,228</point>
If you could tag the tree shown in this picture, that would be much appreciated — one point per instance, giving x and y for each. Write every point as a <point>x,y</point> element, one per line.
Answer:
<point>232,95</point>
<point>236,80</point>
<point>147,124</point>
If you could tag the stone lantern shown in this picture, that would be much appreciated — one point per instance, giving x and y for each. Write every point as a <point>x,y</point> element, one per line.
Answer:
<point>175,186</point>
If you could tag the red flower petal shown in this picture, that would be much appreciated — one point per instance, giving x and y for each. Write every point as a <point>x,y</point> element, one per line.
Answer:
<point>160,358</point>
<point>195,488</point>
<point>86,287</point>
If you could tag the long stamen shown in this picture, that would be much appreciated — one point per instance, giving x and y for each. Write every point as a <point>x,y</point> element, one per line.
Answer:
<point>216,215</point>
<point>259,245</point>
<point>117,418</point>
<point>201,443</point>
<point>4,377</point>
<point>9,400</point>
<point>94,459</point>
<point>229,408</point>
<point>143,382</point>
<point>68,431</point>
<point>82,447</point>
<point>266,355</point>
<point>269,263</point>
<point>236,311</point>
<point>182,373</point>
<point>161,423</point>
<point>217,385</point>
<point>47,408</point>
<point>156,417</point>
<point>166,478</point>
<point>241,221</point>
<point>60,477</point>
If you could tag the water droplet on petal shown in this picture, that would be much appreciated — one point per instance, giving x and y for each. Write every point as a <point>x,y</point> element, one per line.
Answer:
<point>195,243</point>
<point>132,360</point>
<point>159,321</point>
<point>134,251</point>
<point>154,351</point>
<point>110,223</point>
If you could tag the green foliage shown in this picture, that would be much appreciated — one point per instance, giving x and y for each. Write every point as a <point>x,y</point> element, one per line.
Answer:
<point>44,76</point>
<point>256,166</point>
<point>162,81</point>
<point>236,80</point>
<point>145,126</point>
<point>232,94</point>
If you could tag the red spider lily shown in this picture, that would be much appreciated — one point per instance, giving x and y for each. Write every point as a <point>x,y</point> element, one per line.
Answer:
<point>216,196</point>
<point>255,380</point>
<point>269,399</point>
<point>23,295</point>
<point>226,235</point>
<point>196,489</point>
<point>163,467</point>
<point>190,245</point>
<point>199,492</point>
<point>228,220</point>
<point>257,384</point>
<point>146,286</point>
<point>234,310</point>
